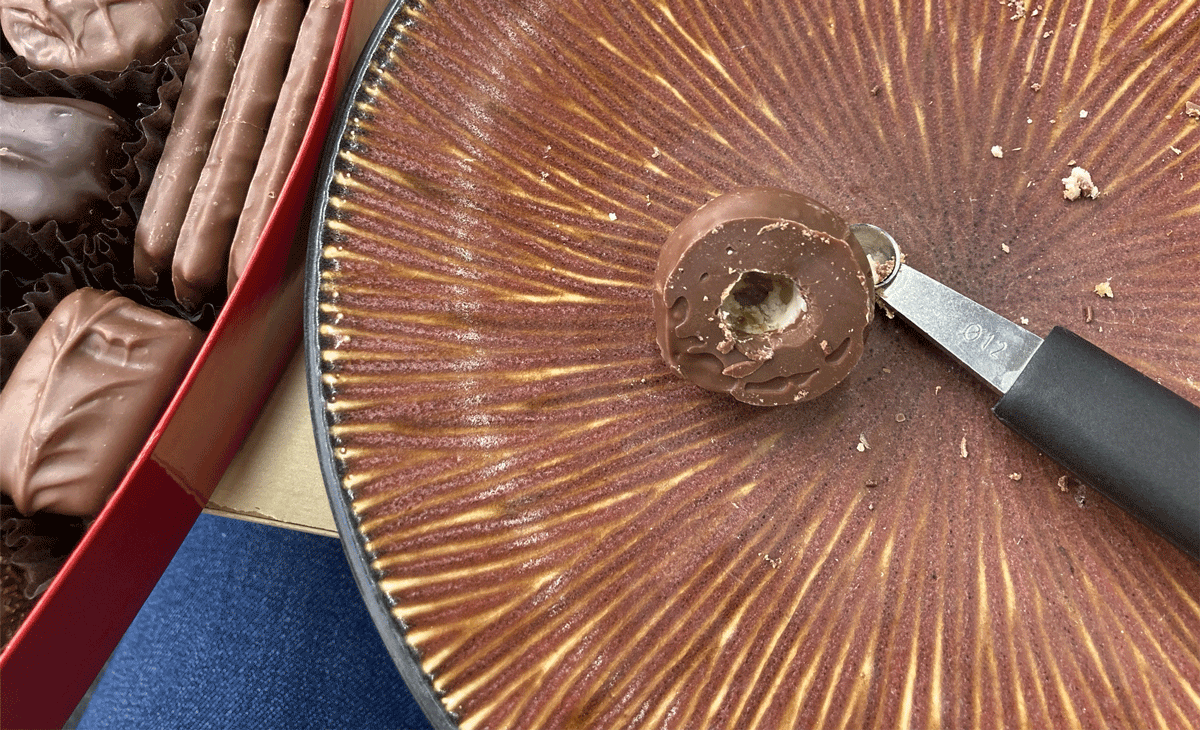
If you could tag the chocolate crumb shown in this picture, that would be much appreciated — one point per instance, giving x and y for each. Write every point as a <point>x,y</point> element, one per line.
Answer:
<point>1079,185</point>
<point>1035,86</point>
<point>883,270</point>
<point>1191,109</point>
<point>1015,476</point>
<point>1104,289</point>
<point>901,418</point>
<point>1087,314</point>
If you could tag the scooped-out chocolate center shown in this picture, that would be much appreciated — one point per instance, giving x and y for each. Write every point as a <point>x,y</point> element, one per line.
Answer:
<point>764,294</point>
<point>760,303</point>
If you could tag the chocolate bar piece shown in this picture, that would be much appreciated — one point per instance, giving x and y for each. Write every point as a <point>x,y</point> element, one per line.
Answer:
<point>202,250</point>
<point>203,97</point>
<point>763,294</point>
<point>306,71</point>
<point>57,157</point>
<point>83,398</point>
<point>86,36</point>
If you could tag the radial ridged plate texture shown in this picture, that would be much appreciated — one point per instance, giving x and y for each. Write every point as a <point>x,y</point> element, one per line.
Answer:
<point>570,536</point>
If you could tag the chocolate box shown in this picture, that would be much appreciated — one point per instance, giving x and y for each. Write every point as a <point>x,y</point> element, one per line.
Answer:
<point>63,644</point>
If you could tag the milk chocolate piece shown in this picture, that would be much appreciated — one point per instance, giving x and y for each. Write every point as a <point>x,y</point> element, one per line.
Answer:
<point>84,397</point>
<point>202,250</point>
<point>306,71</point>
<point>86,36</point>
<point>763,294</point>
<point>205,88</point>
<point>57,157</point>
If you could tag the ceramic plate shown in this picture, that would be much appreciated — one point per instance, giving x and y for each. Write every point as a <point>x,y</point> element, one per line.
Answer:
<point>554,531</point>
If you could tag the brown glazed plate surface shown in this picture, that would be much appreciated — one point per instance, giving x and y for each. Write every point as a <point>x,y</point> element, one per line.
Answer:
<point>554,531</point>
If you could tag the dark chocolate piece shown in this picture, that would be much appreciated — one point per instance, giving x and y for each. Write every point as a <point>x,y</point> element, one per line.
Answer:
<point>86,36</point>
<point>763,294</point>
<point>306,71</point>
<point>57,157</point>
<point>205,88</point>
<point>202,251</point>
<point>84,397</point>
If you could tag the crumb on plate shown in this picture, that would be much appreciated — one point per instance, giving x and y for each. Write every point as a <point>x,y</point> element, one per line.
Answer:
<point>1079,185</point>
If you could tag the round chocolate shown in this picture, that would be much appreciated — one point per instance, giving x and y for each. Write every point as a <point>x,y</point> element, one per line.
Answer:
<point>86,36</point>
<point>764,294</point>
<point>57,156</point>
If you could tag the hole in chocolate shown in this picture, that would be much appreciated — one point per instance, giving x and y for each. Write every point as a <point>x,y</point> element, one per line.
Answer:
<point>679,310</point>
<point>701,362</point>
<point>774,386</point>
<point>758,303</point>
<point>839,351</point>
<point>704,277</point>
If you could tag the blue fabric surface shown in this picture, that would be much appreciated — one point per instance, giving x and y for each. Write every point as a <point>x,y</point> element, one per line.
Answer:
<point>252,627</point>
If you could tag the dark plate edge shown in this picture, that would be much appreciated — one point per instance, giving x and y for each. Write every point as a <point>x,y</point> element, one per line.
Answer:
<point>353,543</point>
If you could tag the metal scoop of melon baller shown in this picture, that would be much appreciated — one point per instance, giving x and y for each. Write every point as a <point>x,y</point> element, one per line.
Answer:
<point>1133,440</point>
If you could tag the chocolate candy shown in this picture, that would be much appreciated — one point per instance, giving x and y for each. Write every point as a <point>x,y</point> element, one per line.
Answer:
<point>203,97</point>
<point>763,294</point>
<point>57,157</point>
<point>306,71</point>
<point>83,398</point>
<point>86,36</point>
<point>202,251</point>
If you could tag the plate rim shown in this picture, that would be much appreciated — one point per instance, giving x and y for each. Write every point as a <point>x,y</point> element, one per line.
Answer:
<point>390,630</point>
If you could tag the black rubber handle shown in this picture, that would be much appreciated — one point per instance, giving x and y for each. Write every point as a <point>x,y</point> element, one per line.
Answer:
<point>1130,438</point>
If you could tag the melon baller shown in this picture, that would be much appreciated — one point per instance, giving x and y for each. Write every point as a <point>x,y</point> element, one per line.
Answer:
<point>1133,440</point>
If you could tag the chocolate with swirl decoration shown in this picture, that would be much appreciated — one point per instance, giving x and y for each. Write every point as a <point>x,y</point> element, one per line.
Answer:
<point>86,36</point>
<point>83,398</point>
<point>763,294</point>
